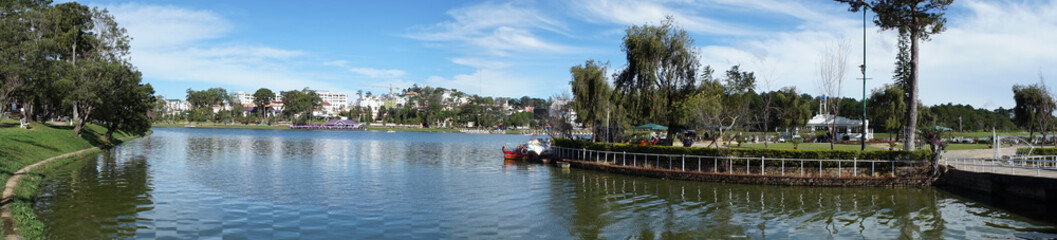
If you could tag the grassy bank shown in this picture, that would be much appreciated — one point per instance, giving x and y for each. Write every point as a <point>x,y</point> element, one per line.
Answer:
<point>26,221</point>
<point>22,147</point>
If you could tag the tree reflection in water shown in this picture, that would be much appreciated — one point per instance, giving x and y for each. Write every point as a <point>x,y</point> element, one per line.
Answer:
<point>102,198</point>
<point>606,206</point>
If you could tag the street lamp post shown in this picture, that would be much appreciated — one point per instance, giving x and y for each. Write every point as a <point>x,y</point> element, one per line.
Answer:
<point>862,138</point>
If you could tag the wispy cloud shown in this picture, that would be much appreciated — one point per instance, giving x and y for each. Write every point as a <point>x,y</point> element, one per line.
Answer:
<point>480,63</point>
<point>494,28</point>
<point>490,82</point>
<point>375,73</point>
<point>631,12</point>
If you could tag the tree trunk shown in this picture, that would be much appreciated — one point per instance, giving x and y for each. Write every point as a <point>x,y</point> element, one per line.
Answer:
<point>110,133</point>
<point>81,122</point>
<point>912,101</point>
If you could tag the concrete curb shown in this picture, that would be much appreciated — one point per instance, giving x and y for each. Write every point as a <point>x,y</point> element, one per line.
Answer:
<point>9,192</point>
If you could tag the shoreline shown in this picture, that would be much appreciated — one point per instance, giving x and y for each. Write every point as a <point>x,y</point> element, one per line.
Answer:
<point>397,129</point>
<point>33,149</point>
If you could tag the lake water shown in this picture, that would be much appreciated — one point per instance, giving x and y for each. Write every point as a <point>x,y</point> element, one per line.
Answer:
<point>286,184</point>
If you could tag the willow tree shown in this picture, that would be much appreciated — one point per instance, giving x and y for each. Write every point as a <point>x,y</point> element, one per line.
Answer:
<point>916,20</point>
<point>591,96</point>
<point>888,103</point>
<point>1034,108</point>
<point>661,71</point>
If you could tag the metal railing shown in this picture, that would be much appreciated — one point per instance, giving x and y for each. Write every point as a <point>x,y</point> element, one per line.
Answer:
<point>762,166</point>
<point>1015,165</point>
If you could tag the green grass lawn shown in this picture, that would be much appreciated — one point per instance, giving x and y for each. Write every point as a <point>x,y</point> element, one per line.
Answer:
<point>965,146</point>
<point>956,134</point>
<point>20,147</point>
<point>809,146</point>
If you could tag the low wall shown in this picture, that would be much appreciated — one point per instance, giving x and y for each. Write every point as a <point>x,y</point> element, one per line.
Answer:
<point>1027,187</point>
<point>1026,195</point>
<point>748,178</point>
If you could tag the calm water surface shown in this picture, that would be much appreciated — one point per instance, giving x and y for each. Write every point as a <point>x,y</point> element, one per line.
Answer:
<point>183,183</point>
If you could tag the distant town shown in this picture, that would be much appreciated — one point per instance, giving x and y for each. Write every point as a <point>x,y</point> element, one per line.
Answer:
<point>411,107</point>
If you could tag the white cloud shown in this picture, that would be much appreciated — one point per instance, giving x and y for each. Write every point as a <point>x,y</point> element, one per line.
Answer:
<point>154,26</point>
<point>489,82</point>
<point>976,61</point>
<point>631,12</point>
<point>494,28</point>
<point>368,72</point>
<point>179,45</point>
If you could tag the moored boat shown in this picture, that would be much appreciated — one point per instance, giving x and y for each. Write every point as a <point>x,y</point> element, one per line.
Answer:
<point>534,148</point>
<point>514,154</point>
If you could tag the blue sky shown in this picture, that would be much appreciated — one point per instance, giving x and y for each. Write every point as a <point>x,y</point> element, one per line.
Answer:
<point>515,48</point>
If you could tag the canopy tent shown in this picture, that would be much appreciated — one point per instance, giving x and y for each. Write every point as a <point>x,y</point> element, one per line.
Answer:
<point>651,126</point>
<point>940,128</point>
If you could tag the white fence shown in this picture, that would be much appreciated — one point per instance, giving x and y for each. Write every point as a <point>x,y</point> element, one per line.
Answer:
<point>1015,165</point>
<point>753,165</point>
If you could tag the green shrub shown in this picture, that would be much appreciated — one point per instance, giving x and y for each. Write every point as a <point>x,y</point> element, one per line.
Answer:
<point>1046,151</point>
<point>750,152</point>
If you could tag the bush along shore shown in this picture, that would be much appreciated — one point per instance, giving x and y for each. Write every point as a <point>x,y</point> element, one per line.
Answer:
<point>24,147</point>
<point>733,165</point>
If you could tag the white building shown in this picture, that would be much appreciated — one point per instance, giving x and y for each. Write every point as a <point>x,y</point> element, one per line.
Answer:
<point>845,128</point>
<point>333,102</point>
<point>243,97</point>
<point>174,106</point>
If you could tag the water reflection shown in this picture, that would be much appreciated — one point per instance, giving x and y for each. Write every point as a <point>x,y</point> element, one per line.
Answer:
<point>259,184</point>
<point>100,196</point>
<point>611,207</point>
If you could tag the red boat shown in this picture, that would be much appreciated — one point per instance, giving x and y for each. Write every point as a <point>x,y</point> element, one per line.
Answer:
<point>518,153</point>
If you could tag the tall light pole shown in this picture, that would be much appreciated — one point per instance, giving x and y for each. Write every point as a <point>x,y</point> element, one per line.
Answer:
<point>862,67</point>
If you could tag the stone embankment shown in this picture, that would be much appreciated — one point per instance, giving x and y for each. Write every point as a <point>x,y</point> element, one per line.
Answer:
<point>843,181</point>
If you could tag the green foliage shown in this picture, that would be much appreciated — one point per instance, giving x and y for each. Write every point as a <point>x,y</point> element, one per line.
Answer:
<point>300,103</point>
<point>750,152</point>
<point>591,93</point>
<point>887,108</point>
<point>262,98</point>
<point>661,71</point>
<point>1044,151</point>
<point>126,103</point>
<point>208,98</point>
<point>1034,107</point>
<point>793,109</point>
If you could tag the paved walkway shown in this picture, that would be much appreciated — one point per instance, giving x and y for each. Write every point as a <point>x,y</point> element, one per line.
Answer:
<point>1000,167</point>
<point>9,192</point>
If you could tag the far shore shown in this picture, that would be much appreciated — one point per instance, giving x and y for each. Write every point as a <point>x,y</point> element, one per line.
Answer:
<point>398,129</point>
